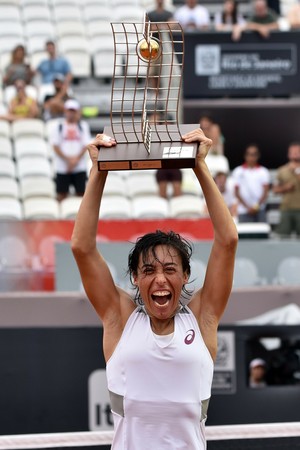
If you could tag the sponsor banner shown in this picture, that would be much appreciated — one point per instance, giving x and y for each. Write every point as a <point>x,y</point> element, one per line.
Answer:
<point>219,67</point>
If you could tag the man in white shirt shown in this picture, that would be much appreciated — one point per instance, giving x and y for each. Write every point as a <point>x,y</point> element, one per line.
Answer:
<point>252,184</point>
<point>69,139</point>
<point>192,16</point>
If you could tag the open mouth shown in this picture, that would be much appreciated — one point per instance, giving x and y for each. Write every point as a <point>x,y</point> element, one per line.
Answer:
<point>161,298</point>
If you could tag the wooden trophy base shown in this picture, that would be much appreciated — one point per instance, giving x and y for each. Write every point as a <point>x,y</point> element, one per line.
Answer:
<point>165,153</point>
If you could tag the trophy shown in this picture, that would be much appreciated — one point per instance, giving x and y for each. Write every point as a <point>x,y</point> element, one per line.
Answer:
<point>145,96</point>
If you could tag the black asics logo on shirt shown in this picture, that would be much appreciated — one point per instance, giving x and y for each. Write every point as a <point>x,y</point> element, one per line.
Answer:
<point>189,339</point>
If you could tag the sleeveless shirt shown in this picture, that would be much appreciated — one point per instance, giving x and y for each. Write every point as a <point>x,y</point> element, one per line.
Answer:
<point>160,391</point>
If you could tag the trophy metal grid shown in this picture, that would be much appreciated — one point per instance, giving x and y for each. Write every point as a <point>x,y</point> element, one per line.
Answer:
<point>145,97</point>
<point>134,98</point>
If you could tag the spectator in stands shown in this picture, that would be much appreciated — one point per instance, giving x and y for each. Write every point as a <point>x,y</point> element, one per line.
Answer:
<point>227,190</point>
<point>257,373</point>
<point>252,184</point>
<point>160,14</point>
<point>69,139</point>
<point>18,68</point>
<point>192,16</point>
<point>288,185</point>
<point>53,106</point>
<point>226,19</point>
<point>263,21</point>
<point>293,16</point>
<point>213,131</point>
<point>54,64</point>
<point>166,177</point>
<point>21,106</point>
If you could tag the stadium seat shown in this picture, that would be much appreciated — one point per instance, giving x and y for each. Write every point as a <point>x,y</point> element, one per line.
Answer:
<point>81,63</point>
<point>36,12</point>
<point>7,43</point>
<point>115,207</point>
<point>10,209</point>
<point>29,166</point>
<point>10,13</point>
<point>69,207</point>
<point>115,185</point>
<point>43,28</point>
<point>36,186</point>
<point>28,127</point>
<point>7,167</point>
<point>141,183</point>
<point>6,148</point>
<point>70,28</point>
<point>187,206</point>
<point>63,11</point>
<point>246,273</point>
<point>96,11</point>
<point>12,28</point>
<point>30,146</point>
<point>5,129</point>
<point>76,42</point>
<point>98,28</point>
<point>288,272</point>
<point>150,207</point>
<point>9,187</point>
<point>41,208</point>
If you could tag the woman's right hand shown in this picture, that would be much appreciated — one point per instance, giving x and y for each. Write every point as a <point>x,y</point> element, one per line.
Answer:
<point>101,140</point>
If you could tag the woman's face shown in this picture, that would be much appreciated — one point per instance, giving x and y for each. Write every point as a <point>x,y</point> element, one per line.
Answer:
<point>160,280</point>
<point>229,6</point>
<point>19,53</point>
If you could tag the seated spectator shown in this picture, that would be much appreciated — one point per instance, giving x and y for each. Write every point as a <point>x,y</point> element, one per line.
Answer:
<point>252,184</point>
<point>192,16</point>
<point>53,106</point>
<point>18,68</point>
<point>226,19</point>
<point>21,106</point>
<point>212,131</point>
<point>263,21</point>
<point>54,64</point>
<point>257,373</point>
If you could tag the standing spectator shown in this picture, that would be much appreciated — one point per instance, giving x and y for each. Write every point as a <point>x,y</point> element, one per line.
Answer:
<point>288,185</point>
<point>192,16</point>
<point>226,19</point>
<point>21,106</point>
<point>18,68</point>
<point>53,105</point>
<point>166,177</point>
<point>252,183</point>
<point>263,21</point>
<point>54,64</point>
<point>160,14</point>
<point>227,190</point>
<point>69,139</point>
<point>213,131</point>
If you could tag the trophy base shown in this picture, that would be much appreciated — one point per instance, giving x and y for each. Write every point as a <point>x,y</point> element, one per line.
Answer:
<point>164,154</point>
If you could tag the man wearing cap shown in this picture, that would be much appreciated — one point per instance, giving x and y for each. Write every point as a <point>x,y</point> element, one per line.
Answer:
<point>54,64</point>
<point>257,373</point>
<point>69,138</point>
<point>53,106</point>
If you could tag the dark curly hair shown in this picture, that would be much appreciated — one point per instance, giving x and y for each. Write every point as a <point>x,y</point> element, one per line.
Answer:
<point>147,244</point>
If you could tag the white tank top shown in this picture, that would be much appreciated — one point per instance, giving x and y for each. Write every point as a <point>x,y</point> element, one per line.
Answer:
<point>160,391</point>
